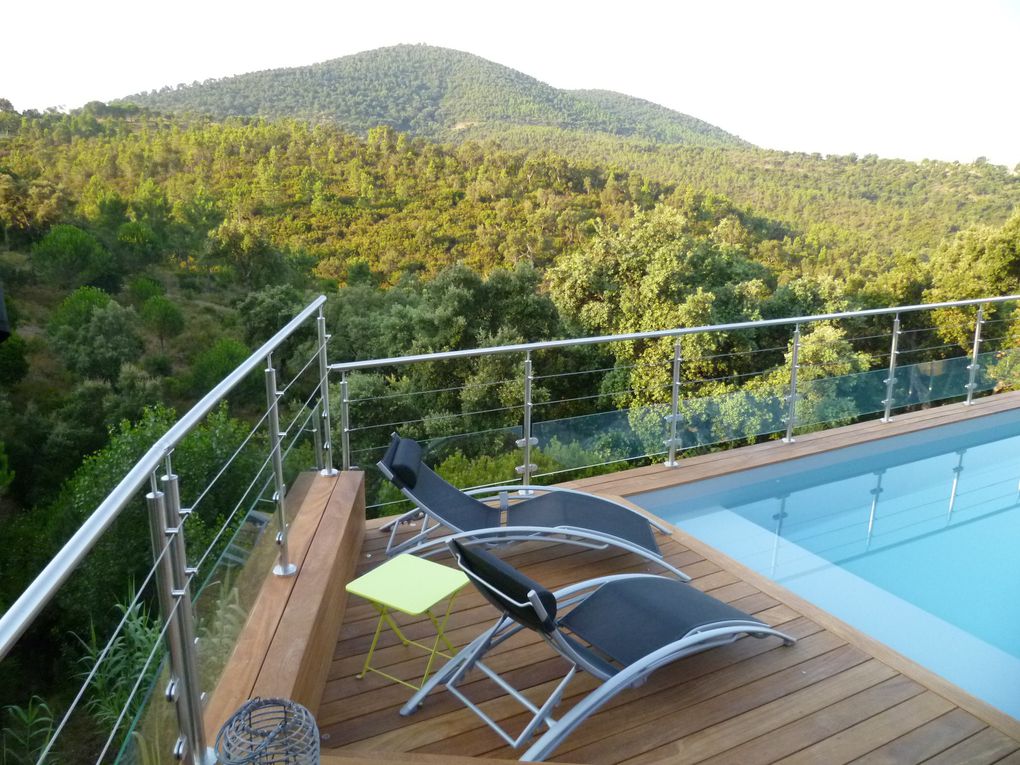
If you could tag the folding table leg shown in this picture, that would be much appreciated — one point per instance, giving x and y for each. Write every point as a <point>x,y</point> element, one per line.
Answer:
<point>440,635</point>
<point>375,639</point>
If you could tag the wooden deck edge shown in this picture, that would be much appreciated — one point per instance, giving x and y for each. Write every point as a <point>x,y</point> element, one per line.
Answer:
<point>401,758</point>
<point>284,648</point>
<point>299,656</point>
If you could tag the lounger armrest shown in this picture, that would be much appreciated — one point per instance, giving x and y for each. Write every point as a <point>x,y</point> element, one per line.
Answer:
<point>480,536</point>
<point>524,533</point>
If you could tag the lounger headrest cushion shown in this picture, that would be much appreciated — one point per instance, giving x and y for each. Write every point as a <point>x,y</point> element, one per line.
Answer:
<point>387,459</point>
<point>406,462</point>
<point>508,582</point>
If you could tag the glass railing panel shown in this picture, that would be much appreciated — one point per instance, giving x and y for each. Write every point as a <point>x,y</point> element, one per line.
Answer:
<point>839,400</point>
<point>930,381</point>
<point>600,441</point>
<point>56,680</point>
<point>600,408</point>
<point>467,460</point>
<point>741,415</point>
<point>229,586</point>
<point>998,368</point>
<point>234,561</point>
<point>152,732</point>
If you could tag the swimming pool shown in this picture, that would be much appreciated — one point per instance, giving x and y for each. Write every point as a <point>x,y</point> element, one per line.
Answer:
<point>914,540</point>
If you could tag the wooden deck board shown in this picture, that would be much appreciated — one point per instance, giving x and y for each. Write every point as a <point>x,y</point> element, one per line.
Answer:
<point>986,746</point>
<point>830,698</point>
<point>816,724</point>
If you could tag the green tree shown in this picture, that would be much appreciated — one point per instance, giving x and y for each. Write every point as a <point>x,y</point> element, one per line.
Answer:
<point>978,262</point>
<point>77,308</point>
<point>658,272</point>
<point>69,256</point>
<point>137,244</point>
<point>216,362</point>
<point>245,246</point>
<point>264,311</point>
<point>142,288</point>
<point>102,343</point>
<point>164,317</point>
<point>13,360</point>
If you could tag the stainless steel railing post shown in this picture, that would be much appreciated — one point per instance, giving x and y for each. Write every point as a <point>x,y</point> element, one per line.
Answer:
<point>283,567</point>
<point>187,694</point>
<point>345,422</point>
<point>527,441</point>
<point>674,415</point>
<point>791,416</point>
<point>322,423</point>
<point>320,458</point>
<point>156,502</point>
<point>973,367</point>
<point>890,380</point>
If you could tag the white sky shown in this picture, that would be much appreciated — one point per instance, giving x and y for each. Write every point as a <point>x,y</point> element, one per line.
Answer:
<point>897,78</point>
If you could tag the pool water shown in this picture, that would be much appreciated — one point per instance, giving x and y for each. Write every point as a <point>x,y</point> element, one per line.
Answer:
<point>914,540</point>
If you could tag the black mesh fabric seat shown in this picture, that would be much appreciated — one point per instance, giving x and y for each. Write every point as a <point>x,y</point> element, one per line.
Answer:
<point>679,610</point>
<point>547,513</point>
<point>578,510</point>
<point>617,628</point>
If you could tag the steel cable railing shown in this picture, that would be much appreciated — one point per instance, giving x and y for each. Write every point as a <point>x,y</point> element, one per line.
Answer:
<point>434,417</point>
<point>23,611</point>
<point>156,649</point>
<point>389,396</point>
<point>117,631</point>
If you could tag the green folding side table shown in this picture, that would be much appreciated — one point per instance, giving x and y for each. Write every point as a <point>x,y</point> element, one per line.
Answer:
<point>412,586</point>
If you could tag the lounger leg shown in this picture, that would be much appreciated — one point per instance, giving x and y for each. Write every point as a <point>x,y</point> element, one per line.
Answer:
<point>581,711</point>
<point>418,539</point>
<point>636,673</point>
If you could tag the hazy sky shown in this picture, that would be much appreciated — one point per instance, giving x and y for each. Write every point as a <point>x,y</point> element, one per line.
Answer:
<point>899,79</point>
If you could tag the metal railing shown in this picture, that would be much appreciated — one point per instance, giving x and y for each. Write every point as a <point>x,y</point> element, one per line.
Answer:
<point>904,361</point>
<point>174,579</point>
<point>641,397</point>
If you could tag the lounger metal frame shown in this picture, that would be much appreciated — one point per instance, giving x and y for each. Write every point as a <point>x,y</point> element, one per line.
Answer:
<point>424,544</point>
<point>698,639</point>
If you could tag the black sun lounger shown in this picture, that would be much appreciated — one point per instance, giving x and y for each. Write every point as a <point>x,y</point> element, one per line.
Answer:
<point>550,513</point>
<point>617,628</point>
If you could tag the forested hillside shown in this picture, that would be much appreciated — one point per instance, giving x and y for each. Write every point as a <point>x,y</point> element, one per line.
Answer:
<point>838,204</point>
<point>428,91</point>
<point>143,256</point>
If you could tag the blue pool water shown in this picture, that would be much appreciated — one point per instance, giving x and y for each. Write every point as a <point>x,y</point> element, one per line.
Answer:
<point>914,540</point>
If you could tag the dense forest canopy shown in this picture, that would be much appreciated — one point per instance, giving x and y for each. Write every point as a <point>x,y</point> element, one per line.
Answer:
<point>144,255</point>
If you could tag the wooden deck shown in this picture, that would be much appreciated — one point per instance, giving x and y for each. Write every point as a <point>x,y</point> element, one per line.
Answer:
<point>834,697</point>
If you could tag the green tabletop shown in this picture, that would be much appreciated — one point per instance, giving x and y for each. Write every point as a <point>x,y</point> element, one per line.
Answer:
<point>409,584</point>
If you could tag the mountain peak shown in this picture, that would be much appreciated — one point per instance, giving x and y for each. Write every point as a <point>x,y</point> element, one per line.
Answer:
<point>433,92</point>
